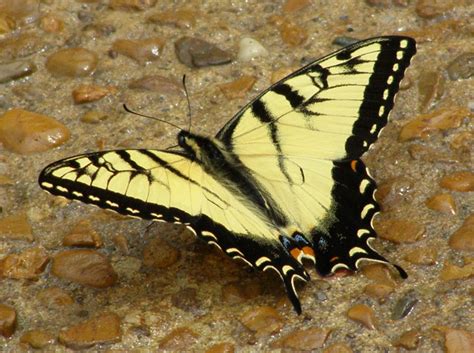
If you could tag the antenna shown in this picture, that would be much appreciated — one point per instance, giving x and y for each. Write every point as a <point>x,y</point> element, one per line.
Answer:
<point>128,110</point>
<point>189,103</point>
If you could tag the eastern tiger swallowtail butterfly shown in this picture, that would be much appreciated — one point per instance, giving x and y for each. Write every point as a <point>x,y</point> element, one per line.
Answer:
<point>282,181</point>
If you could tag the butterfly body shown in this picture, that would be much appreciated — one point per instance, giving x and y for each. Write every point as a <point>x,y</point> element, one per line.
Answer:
<point>282,181</point>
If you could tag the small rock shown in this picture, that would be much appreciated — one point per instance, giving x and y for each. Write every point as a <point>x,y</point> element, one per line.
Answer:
<point>82,234</point>
<point>7,320</point>
<point>140,50</point>
<point>91,93</point>
<point>428,154</point>
<point>379,273</point>
<point>7,24</point>
<point>186,300</point>
<point>426,255</point>
<point>93,117</point>
<point>137,5</point>
<point>378,291</point>
<point>51,24</point>
<point>37,339</point>
<point>72,62</point>
<point>394,191</point>
<point>405,305</point>
<point>16,70</point>
<point>338,348</point>
<point>238,88</point>
<point>363,314</point>
<point>121,243</point>
<point>462,141</point>
<point>458,181</point>
<point>55,296</point>
<point>459,341</point>
<point>221,348</point>
<point>452,272</point>
<point>443,203</point>
<point>433,8</point>
<point>179,339</point>
<point>430,87</point>
<point>195,52</point>
<point>291,34</point>
<point>425,124</point>
<point>408,340</point>
<point>28,264</point>
<point>295,5</point>
<point>462,67</point>
<point>303,339</point>
<point>22,12</point>
<point>344,41</point>
<point>400,230</point>
<point>463,238</point>
<point>250,48</point>
<point>16,227</point>
<point>180,18</point>
<point>20,46</point>
<point>159,254</point>
<point>263,320</point>
<point>159,84</point>
<point>86,267</point>
<point>102,329</point>
<point>25,132</point>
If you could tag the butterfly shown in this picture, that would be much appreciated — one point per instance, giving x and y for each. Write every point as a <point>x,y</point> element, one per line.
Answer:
<point>281,182</point>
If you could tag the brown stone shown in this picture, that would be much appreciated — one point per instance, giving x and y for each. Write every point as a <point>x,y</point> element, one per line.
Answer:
<point>303,339</point>
<point>462,67</point>
<point>463,238</point>
<point>37,339</point>
<point>363,314</point>
<point>7,320</point>
<point>26,132</point>
<point>458,181</point>
<point>91,93</point>
<point>86,267</point>
<point>379,273</point>
<point>159,254</point>
<point>104,328</point>
<point>408,340</point>
<point>16,227</point>
<point>159,84</point>
<point>221,348</point>
<point>181,18</point>
<point>378,291</point>
<point>426,255</point>
<point>82,234</point>
<point>430,87</point>
<point>55,296</point>
<point>238,88</point>
<point>28,264</point>
<point>137,5</point>
<point>462,141</point>
<point>459,341</point>
<point>452,272</point>
<point>295,5</point>
<point>443,203</point>
<point>428,154</point>
<point>121,243</point>
<point>72,62</point>
<point>292,34</point>
<point>179,339</point>
<point>93,117</point>
<point>195,52</point>
<point>394,191</point>
<point>425,125</point>
<point>19,46</point>
<point>140,50</point>
<point>262,320</point>
<point>399,230</point>
<point>51,24</point>
<point>338,348</point>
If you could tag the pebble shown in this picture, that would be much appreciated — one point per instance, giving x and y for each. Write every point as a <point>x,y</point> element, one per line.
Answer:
<point>195,52</point>
<point>28,264</point>
<point>443,203</point>
<point>433,8</point>
<point>26,132</point>
<point>463,238</point>
<point>462,67</point>
<point>344,41</point>
<point>137,5</point>
<point>159,84</point>
<point>72,62</point>
<point>180,18</point>
<point>51,24</point>
<point>180,339</point>
<point>223,347</point>
<point>462,141</point>
<point>93,117</point>
<point>303,339</point>
<point>105,328</point>
<point>425,124</point>
<point>400,230</point>
<point>38,339</point>
<point>378,291</point>
<point>16,70</point>
<point>408,340</point>
<point>295,5</point>
<point>91,93</point>
<point>121,243</point>
<point>20,46</point>
<point>291,34</point>
<point>451,272</point>
<point>140,50</point>
<point>431,85</point>
<point>458,181</point>
<point>338,348</point>
<point>7,320</point>
<point>405,305</point>
<point>379,273</point>
<point>394,191</point>
<point>458,341</point>
<point>159,254</point>
<point>263,320</point>
<point>16,227</point>
<point>7,24</point>
<point>186,300</point>
<point>250,48</point>
<point>82,234</point>
<point>84,266</point>
<point>21,12</point>
<point>430,155</point>
<point>238,88</point>
<point>364,315</point>
<point>55,296</point>
<point>238,291</point>
<point>426,255</point>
